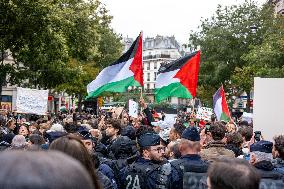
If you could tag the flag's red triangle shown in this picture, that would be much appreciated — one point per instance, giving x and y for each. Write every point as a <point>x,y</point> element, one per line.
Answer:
<point>188,74</point>
<point>225,108</point>
<point>137,64</point>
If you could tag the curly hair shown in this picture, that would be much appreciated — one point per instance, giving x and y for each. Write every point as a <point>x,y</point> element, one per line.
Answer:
<point>179,128</point>
<point>279,145</point>
<point>246,132</point>
<point>235,139</point>
<point>217,131</point>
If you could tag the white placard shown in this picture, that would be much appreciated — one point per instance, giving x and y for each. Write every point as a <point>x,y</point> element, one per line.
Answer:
<point>247,117</point>
<point>204,113</point>
<point>268,103</point>
<point>133,109</point>
<point>31,101</point>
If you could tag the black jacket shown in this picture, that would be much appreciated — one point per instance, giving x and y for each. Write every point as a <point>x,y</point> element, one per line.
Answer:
<point>269,177</point>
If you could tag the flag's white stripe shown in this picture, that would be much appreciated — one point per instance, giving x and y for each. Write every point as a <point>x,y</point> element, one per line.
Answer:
<point>164,79</point>
<point>218,108</point>
<point>111,74</point>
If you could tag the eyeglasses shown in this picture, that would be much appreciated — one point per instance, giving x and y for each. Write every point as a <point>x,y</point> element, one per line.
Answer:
<point>159,149</point>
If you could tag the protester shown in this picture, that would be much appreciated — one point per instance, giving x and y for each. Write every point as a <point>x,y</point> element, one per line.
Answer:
<point>261,158</point>
<point>113,130</point>
<point>119,151</point>
<point>247,134</point>
<point>176,131</point>
<point>215,149</point>
<point>35,142</point>
<point>278,153</point>
<point>234,143</point>
<point>75,148</point>
<point>172,151</point>
<point>18,143</point>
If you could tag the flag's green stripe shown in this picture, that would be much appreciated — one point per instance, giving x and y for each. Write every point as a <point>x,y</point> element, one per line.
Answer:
<point>224,117</point>
<point>118,87</point>
<point>172,90</point>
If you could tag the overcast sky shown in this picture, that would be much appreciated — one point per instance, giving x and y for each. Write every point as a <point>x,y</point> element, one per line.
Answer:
<point>164,17</point>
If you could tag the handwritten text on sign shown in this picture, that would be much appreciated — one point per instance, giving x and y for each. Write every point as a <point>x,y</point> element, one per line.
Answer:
<point>31,101</point>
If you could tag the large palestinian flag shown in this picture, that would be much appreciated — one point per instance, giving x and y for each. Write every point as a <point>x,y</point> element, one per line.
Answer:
<point>178,78</point>
<point>117,77</point>
<point>220,105</point>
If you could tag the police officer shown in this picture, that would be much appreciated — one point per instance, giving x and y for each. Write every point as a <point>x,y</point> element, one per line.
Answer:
<point>190,170</point>
<point>123,148</point>
<point>147,171</point>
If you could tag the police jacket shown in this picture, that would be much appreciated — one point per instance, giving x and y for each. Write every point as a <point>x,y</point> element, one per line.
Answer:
<point>270,179</point>
<point>145,174</point>
<point>188,172</point>
<point>105,181</point>
<point>279,165</point>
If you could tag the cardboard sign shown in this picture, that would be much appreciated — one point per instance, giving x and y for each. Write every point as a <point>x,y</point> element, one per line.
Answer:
<point>133,109</point>
<point>204,113</point>
<point>31,101</point>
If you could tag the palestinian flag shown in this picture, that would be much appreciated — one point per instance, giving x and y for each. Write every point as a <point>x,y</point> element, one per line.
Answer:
<point>117,77</point>
<point>178,78</point>
<point>220,105</point>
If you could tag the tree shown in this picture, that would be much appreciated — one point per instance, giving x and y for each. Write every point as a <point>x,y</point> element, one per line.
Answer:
<point>227,41</point>
<point>46,37</point>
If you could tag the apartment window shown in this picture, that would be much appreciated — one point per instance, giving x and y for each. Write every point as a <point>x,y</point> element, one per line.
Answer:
<point>148,76</point>
<point>148,86</point>
<point>155,65</point>
<point>148,66</point>
<point>155,76</point>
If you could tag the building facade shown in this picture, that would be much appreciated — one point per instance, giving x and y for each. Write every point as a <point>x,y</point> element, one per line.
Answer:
<point>8,96</point>
<point>278,6</point>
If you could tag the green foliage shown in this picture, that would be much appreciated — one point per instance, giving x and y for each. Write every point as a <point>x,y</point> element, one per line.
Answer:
<point>57,44</point>
<point>237,44</point>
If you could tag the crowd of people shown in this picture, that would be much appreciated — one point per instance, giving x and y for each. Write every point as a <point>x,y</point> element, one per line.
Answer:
<point>72,150</point>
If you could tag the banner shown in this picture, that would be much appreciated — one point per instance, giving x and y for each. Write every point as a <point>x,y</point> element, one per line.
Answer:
<point>31,101</point>
<point>204,113</point>
<point>133,109</point>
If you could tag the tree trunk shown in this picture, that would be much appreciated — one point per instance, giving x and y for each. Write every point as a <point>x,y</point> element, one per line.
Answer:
<point>248,102</point>
<point>0,93</point>
<point>2,80</point>
<point>79,103</point>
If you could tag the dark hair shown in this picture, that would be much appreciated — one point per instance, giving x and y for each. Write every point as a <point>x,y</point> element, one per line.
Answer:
<point>123,147</point>
<point>243,123</point>
<point>144,129</point>
<point>235,139</point>
<point>217,131</point>
<point>175,150</point>
<point>279,145</point>
<point>179,128</point>
<point>70,127</point>
<point>115,124</point>
<point>42,170</point>
<point>74,147</point>
<point>233,174</point>
<point>246,132</point>
<point>36,139</point>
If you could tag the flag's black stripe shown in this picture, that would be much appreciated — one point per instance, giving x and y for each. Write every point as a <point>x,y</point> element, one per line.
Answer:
<point>176,64</point>
<point>129,54</point>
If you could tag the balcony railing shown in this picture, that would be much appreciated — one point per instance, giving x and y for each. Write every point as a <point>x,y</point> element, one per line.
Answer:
<point>156,56</point>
